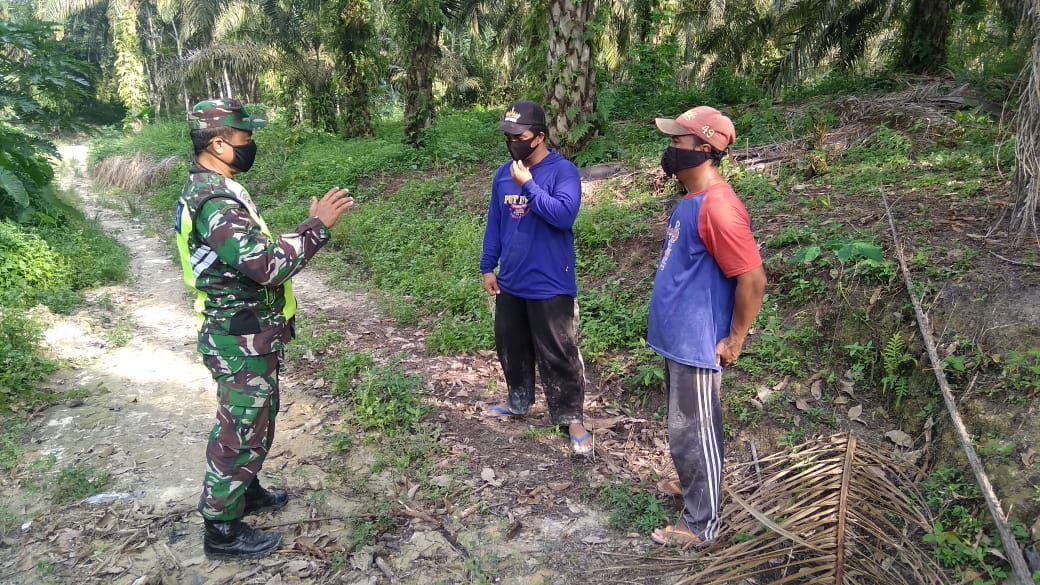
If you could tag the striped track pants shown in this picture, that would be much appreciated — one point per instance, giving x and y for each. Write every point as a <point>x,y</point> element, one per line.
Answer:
<point>695,441</point>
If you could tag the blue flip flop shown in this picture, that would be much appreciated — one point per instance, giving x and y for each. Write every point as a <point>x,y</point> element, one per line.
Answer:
<point>582,445</point>
<point>498,411</point>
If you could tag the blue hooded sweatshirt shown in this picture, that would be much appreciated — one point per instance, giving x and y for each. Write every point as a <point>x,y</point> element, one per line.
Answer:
<point>529,233</point>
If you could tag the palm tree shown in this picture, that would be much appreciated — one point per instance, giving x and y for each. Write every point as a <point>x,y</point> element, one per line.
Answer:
<point>505,40</point>
<point>926,28</point>
<point>351,40</point>
<point>131,86</point>
<point>799,38</point>
<point>187,20</point>
<point>418,25</point>
<point>571,87</point>
<point>298,29</point>
<point>1026,183</point>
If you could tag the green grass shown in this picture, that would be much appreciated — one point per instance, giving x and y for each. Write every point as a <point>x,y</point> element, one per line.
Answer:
<point>14,431</point>
<point>1021,375</point>
<point>614,316</point>
<point>539,432</point>
<point>345,370</point>
<point>964,539</point>
<point>314,336</point>
<point>780,347</point>
<point>75,482</point>
<point>365,531</point>
<point>632,506</point>
<point>22,366</point>
<point>383,397</point>
<point>422,246</point>
<point>121,332</point>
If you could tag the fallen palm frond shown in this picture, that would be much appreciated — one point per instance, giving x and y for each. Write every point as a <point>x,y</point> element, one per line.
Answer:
<point>838,510</point>
<point>137,173</point>
<point>858,119</point>
<point>1014,553</point>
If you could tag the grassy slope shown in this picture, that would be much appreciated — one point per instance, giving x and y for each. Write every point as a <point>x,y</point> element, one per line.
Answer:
<point>835,311</point>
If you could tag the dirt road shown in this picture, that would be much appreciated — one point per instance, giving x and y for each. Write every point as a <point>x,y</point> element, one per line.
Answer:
<point>518,509</point>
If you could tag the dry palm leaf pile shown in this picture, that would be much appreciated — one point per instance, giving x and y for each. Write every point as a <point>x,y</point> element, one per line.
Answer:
<point>137,173</point>
<point>836,511</point>
<point>930,104</point>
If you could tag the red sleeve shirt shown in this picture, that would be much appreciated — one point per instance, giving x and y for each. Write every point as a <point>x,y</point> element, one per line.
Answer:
<point>725,228</point>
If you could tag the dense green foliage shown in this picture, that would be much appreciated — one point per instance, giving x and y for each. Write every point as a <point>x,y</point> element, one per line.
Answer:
<point>335,64</point>
<point>45,264</point>
<point>41,85</point>
<point>48,249</point>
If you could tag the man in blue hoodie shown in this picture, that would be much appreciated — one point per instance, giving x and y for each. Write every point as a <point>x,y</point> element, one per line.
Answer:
<point>530,238</point>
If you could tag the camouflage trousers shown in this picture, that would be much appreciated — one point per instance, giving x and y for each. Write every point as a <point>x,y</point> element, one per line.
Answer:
<point>247,403</point>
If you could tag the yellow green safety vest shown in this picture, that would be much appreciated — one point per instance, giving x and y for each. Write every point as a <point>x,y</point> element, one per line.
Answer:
<point>191,269</point>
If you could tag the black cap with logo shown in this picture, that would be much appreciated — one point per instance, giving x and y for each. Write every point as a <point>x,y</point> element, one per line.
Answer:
<point>520,116</point>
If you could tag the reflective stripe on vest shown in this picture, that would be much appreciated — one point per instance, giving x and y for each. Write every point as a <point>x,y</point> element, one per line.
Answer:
<point>192,265</point>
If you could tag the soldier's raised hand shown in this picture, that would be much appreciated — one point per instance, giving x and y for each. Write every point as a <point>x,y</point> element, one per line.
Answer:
<point>331,206</point>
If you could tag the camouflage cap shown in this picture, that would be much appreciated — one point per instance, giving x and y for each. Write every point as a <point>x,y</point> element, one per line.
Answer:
<point>223,112</point>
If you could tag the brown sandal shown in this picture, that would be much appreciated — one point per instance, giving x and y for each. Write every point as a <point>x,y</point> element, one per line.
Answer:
<point>678,535</point>
<point>672,487</point>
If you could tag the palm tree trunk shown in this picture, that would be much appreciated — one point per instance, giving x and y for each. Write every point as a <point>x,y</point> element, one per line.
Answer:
<point>1026,183</point>
<point>129,64</point>
<point>419,105</point>
<point>571,90</point>
<point>924,36</point>
<point>353,81</point>
<point>227,83</point>
<point>418,24</point>
<point>180,55</point>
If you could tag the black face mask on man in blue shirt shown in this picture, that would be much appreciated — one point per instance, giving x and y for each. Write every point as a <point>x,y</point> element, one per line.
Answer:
<point>520,149</point>
<point>676,159</point>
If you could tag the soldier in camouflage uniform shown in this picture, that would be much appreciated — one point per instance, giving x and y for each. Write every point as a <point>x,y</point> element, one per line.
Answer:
<point>244,301</point>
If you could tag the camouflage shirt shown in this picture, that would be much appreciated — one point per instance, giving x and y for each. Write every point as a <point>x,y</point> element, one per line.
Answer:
<point>241,274</point>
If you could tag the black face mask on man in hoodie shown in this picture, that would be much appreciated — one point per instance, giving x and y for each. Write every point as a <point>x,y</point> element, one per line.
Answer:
<point>521,149</point>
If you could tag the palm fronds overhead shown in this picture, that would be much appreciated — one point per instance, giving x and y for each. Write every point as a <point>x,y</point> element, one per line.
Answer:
<point>243,57</point>
<point>816,30</point>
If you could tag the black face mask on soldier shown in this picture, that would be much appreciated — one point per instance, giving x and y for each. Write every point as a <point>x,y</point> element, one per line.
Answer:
<point>676,159</point>
<point>520,149</point>
<point>243,156</point>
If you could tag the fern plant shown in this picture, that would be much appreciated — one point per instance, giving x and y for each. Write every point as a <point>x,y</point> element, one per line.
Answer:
<point>895,357</point>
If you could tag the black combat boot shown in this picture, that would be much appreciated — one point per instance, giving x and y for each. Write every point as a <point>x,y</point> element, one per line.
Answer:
<point>258,499</point>
<point>237,540</point>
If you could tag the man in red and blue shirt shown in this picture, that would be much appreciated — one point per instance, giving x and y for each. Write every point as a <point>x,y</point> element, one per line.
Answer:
<point>707,291</point>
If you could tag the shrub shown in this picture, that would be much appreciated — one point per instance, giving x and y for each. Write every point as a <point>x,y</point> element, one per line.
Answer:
<point>383,396</point>
<point>28,263</point>
<point>21,365</point>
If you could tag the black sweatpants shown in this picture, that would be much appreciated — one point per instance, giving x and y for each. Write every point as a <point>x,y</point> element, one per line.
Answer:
<point>544,333</point>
